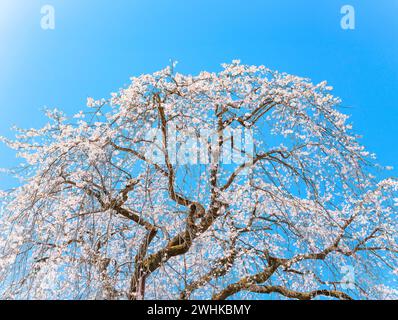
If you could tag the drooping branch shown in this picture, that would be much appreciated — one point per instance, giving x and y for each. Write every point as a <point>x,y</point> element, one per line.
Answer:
<point>222,266</point>
<point>292,294</point>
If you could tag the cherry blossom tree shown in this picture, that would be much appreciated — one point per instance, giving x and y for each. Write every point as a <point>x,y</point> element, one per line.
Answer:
<point>107,210</point>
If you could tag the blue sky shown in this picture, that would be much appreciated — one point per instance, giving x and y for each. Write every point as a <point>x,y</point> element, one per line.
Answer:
<point>97,45</point>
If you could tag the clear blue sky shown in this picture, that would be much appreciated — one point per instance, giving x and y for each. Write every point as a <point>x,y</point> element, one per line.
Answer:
<point>97,45</point>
